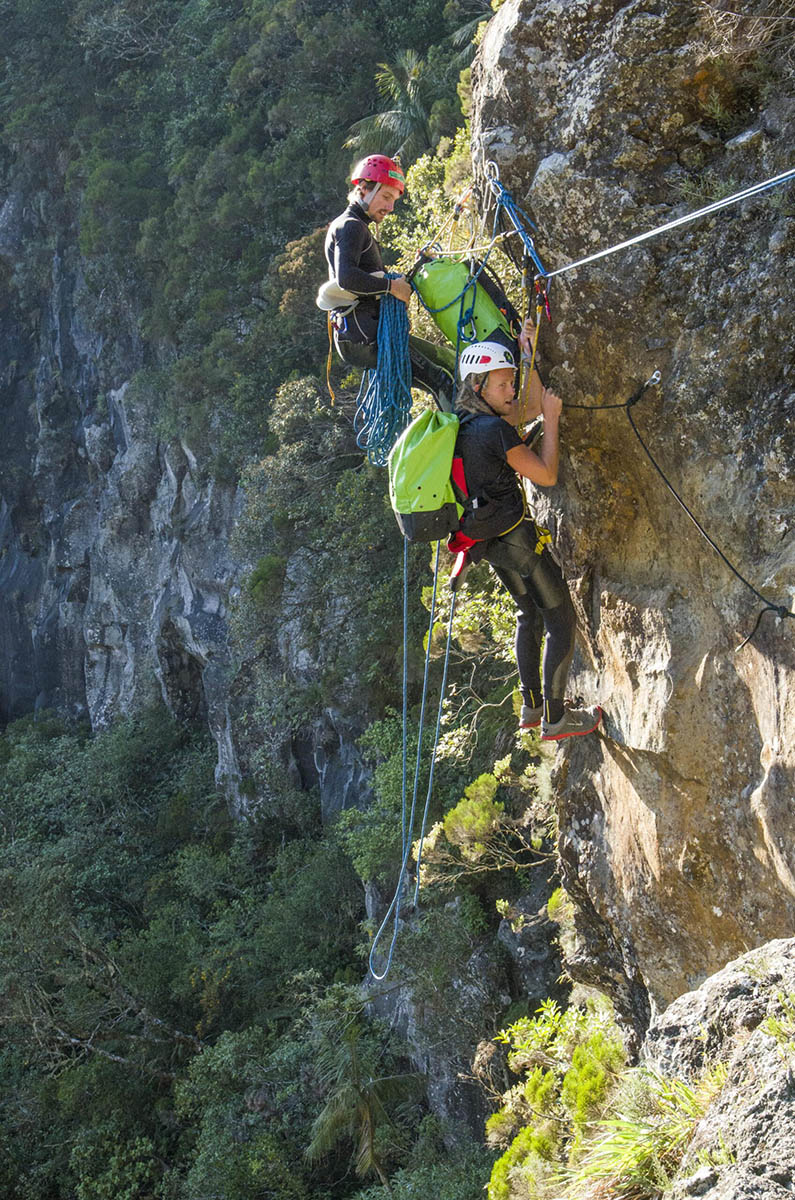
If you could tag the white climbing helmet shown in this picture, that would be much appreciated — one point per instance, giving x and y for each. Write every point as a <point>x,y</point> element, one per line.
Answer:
<point>481,357</point>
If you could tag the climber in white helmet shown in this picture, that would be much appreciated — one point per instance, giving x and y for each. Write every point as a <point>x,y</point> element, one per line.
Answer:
<point>502,531</point>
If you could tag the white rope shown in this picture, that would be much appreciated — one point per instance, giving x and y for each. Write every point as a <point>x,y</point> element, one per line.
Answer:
<point>716,206</point>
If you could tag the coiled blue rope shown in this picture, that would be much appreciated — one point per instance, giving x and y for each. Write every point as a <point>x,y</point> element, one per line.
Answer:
<point>384,401</point>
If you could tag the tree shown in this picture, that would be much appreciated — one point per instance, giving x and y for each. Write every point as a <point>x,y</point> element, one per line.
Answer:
<point>472,14</point>
<point>405,128</point>
<point>357,1101</point>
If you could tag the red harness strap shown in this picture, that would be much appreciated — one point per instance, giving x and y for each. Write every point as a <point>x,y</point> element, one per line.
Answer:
<point>458,541</point>
<point>457,476</point>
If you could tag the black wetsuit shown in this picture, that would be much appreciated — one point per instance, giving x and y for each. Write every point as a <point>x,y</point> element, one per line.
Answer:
<point>354,261</point>
<point>354,258</point>
<point>519,551</point>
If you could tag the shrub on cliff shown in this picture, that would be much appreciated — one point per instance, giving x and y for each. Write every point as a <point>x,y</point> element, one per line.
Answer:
<point>570,1061</point>
<point>140,926</point>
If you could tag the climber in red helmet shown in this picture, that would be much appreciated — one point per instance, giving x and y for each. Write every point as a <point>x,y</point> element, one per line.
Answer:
<point>357,279</point>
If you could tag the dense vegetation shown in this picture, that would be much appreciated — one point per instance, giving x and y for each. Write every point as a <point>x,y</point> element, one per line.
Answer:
<point>177,998</point>
<point>187,145</point>
<point>181,1016</point>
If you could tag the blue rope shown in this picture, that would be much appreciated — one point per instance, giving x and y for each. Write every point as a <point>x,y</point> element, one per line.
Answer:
<point>393,912</point>
<point>405,687</point>
<point>384,401</point>
<point>505,202</point>
<point>435,747</point>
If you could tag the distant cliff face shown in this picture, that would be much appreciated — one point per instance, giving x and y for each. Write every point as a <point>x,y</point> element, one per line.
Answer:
<point>607,119</point>
<point>114,561</point>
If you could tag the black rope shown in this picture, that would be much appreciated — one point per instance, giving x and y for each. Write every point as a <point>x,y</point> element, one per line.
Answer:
<point>780,611</point>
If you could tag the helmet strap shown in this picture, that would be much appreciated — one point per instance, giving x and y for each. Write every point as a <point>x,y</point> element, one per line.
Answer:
<point>368,198</point>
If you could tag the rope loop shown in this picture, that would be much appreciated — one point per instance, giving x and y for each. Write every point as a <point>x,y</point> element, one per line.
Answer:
<point>393,912</point>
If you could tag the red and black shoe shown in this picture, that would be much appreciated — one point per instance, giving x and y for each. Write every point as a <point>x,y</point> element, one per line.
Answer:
<point>531,717</point>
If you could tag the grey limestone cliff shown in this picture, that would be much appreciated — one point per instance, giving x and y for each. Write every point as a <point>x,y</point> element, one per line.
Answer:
<point>607,119</point>
<point>115,569</point>
<point>743,1018</point>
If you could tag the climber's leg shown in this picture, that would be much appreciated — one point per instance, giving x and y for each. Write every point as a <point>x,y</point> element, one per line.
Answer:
<point>432,369</point>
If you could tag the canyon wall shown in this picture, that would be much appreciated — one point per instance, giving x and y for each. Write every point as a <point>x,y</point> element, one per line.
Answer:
<point>606,120</point>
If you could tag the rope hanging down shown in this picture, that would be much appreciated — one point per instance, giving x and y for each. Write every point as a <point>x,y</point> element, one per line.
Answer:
<point>407,823</point>
<point>780,610</point>
<point>384,400</point>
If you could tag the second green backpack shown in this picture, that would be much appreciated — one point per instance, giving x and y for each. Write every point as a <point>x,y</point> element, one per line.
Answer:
<point>420,489</point>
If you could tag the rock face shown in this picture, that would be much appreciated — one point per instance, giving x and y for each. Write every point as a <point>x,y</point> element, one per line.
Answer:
<point>607,119</point>
<point>115,570</point>
<point>444,1025</point>
<point>743,1017</point>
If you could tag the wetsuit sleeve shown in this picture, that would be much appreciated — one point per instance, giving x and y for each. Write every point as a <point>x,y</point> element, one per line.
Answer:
<point>350,242</point>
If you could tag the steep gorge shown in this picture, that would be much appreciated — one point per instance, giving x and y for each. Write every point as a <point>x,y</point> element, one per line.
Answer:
<point>115,566</point>
<point>675,831</point>
<point>117,575</point>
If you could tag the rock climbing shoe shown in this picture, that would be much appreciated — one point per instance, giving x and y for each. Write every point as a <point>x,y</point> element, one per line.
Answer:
<point>531,717</point>
<point>573,723</point>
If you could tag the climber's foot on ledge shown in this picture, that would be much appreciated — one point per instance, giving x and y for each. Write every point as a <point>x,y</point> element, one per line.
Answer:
<point>531,717</point>
<point>573,723</point>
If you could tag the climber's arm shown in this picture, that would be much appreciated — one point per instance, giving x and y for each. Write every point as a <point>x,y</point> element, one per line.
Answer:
<point>542,467</point>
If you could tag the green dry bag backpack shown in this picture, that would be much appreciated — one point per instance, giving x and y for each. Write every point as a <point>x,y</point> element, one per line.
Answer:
<point>442,283</point>
<point>420,487</point>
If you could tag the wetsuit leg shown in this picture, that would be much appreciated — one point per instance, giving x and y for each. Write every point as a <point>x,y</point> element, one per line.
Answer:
<point>432,371</point>
<point>427,369</point>
<point>536,584</point>
<point>560,624</point>
<point>527,645</point>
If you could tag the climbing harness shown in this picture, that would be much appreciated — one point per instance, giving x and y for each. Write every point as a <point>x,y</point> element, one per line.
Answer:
<point>331,297</point>
<point>627,405</point>
<point>384,400</point>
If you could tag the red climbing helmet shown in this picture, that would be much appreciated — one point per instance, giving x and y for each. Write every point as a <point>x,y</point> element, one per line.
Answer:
<point>380,169</point>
